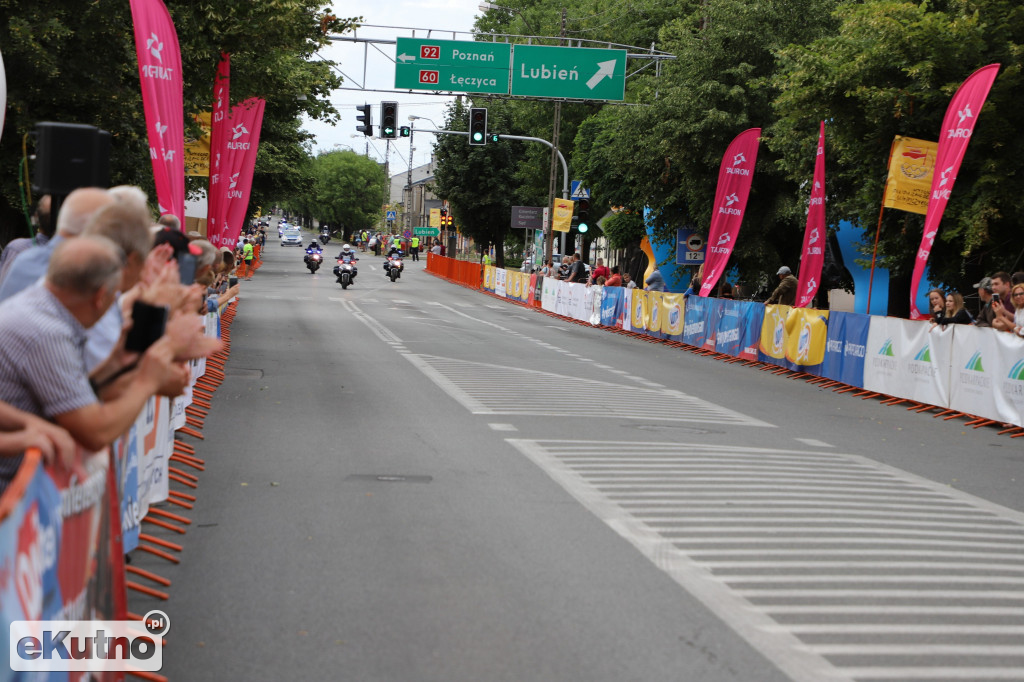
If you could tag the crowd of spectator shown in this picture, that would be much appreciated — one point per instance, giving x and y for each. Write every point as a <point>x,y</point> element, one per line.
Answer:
<point>68,373</point>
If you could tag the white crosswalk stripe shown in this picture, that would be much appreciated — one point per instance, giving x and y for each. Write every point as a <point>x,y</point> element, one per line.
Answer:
<point>485,388</point>
<point>834,566</point>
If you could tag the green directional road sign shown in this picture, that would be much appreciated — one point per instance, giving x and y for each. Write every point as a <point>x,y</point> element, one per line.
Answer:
<point>426,231</point>
<point>569,72</point>
<point>452,65</point>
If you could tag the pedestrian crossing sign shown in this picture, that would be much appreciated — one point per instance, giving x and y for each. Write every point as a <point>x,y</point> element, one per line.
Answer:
<point>391,215</point>
<point>578,191</point>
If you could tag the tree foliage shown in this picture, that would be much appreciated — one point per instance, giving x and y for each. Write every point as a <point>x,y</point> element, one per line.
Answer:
<point>475,180</point>
<point>349,190</point>
<point>74,61</point>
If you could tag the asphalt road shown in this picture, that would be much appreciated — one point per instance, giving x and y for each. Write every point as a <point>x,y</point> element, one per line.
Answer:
<point>414,481</point>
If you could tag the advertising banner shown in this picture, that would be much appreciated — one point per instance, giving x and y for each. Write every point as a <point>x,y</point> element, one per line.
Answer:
<point>640,312</point>
<point>160,77</point>
<point>627,309</point>
<point>575,300</point>
<point>562,220</point>
<point>812,254</point>
<point>772,347</point>
<point>242,146</point>
<point>734,178</point>
<point>533,288</point>
<point>592,302</point>
<point>711,320</point>
<point>906,360</point>
<point>750,329</point>
<point>612,304</point>
<point>489,277</point>
<point>220,128</point>
<point>695,329</point>
<point>672,316</point>
<point>197,150</point>
<point>726,331</point>
<point>911,166</point>
<point>988,374</point>
<point>806,335</point>
<point>500,280</point>
<point>957,127</point>
<point>846,347</point>
<point>153,465</point>
<point>549,294</point>
<point>126,457</point>
<point>653,311</point>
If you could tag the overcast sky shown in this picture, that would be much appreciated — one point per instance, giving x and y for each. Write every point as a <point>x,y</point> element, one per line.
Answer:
<point>387,20</point>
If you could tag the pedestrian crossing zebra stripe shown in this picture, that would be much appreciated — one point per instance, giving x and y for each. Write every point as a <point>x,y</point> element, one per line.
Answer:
<point>891,576</point>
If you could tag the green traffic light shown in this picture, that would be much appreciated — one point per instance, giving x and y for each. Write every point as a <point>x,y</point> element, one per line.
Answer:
<point>389,131</point>
<point>477,137</point>
<point>583,227</point>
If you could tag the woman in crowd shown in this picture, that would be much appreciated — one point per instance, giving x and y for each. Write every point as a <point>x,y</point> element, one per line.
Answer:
<point>947,308</point>
<point>1017,296</point>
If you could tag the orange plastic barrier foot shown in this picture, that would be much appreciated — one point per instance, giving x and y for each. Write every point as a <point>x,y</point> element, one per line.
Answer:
<point>196,462</point>
<point>1011,430</point>
<point>147,590</point>
<point>191,432</point>
<point>183,496</point>
<point>163,555</point>
<point>169,515</point>
<point>178,502</point>
<point>181,459</point>
<point>182,445</point>
<point>184,475</point>
<point>163,524</point>
<point>181,480</point>
<point>159,580</point>
<point>160,541</point>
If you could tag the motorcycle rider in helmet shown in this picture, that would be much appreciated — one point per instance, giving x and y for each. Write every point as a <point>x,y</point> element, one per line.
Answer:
<point>313,247</point>
<point>347,255</point>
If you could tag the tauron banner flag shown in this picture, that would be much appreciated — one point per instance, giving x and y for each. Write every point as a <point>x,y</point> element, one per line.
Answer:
<point>3,94</point>
<point>957,127</point>
<point>156,44</point>
<point>734,178</point>
<point>242,144</point>
<point>216,207</point>
<point>812,255</point>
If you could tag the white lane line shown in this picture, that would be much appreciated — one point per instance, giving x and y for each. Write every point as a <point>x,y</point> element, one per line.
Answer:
<point>502,427</point>
<point>814,443</point>
<point>937,673</point>
<point>372,268</point>
<point>379,330</point>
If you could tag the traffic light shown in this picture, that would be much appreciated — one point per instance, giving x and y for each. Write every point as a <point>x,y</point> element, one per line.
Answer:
<point>404,131</point>
<point>583,211</point>
<point>389,119</point>
<point>478,126</point>
<point>493,137</point>
<point>367,118</point>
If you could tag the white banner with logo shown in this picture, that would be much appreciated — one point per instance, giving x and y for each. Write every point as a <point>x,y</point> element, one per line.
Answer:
<point>627,318</point>
<point>549,294</point>
<point>906,360</point>
<point>988,374</point>
<point>594,302</point>
<point>500,277</point>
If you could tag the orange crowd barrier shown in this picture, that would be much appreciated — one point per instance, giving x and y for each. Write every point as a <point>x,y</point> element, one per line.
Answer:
<point>461,271</point>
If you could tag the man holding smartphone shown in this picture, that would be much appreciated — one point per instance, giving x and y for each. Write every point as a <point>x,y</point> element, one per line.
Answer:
<point>42,336</point>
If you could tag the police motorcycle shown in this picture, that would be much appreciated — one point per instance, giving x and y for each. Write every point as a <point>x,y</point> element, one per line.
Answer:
<point>324,238</point>
<point>393,265</point>
<point>314,257</point>
<point>346,269</point>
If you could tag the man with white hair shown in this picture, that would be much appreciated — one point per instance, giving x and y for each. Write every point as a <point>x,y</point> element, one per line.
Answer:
<point>74,214</point>
<point>785,293</point>
<point>42,337</point>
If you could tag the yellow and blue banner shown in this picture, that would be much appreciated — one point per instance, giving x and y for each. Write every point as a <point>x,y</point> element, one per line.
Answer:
<point>672,306</point>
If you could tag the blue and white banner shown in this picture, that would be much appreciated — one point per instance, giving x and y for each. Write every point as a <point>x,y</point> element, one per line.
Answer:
<point>988,374</point>
<point>695,322</point>
<point>846,347</point>
<point>612,304</point>
<point>906,360</point>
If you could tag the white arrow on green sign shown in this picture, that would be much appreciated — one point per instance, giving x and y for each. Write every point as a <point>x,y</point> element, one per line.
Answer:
<point>456,65</point>
<point>569,72</point>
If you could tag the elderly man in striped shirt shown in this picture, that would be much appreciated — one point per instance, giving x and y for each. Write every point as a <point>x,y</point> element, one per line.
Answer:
<point>42,340</point>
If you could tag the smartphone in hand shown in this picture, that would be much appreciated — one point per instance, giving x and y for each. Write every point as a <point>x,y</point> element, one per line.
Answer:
<point>232,281</point>
<point>148,324</point>
<point>187,268</point>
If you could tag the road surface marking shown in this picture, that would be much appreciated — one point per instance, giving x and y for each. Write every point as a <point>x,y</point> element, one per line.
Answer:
<point>834,566</point>
<point>814,443</point>
<point>502,427</point>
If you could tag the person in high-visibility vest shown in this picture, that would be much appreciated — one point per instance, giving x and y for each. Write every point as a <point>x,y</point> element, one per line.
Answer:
<point>487,259</point>
<point>414,248</point>
<point>247,255</point>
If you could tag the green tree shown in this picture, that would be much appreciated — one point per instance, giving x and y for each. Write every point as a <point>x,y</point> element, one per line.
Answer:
<point>349,190</point>
<point>476,180</point>
<point>72,61</point>
<point>891,69</point>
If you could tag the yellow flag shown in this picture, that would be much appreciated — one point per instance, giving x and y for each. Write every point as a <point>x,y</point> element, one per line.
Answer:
<point>435,217</point>
<point>563,215</point>
<point>197,152</point>
<point>910,174</point>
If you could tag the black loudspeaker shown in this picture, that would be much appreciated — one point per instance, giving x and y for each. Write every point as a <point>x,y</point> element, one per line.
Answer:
<point>69,156</point>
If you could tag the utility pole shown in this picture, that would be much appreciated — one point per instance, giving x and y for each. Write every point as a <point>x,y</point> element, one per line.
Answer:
<point>408,200</point>
<point>554,165</point>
